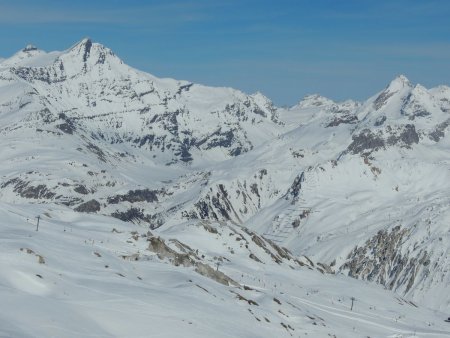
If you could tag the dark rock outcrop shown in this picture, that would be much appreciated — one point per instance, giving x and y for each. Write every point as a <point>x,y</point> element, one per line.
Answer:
<point>89,206</point>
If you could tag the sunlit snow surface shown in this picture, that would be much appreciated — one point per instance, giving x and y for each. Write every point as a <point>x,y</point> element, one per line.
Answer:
<point>86,289</point>
<point>349,188</point>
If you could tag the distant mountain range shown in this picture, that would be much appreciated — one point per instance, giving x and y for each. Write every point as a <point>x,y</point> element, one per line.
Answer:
<point>362,188</point>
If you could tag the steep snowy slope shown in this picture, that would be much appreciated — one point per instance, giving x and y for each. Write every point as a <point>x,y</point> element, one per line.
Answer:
<point>383,182</point>
<point>360,186</point>
<point>82,276</point>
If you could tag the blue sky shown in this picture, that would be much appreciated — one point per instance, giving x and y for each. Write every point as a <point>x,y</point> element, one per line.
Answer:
<point>283,48</point>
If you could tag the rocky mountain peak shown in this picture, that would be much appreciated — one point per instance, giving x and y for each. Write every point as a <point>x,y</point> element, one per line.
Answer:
<point>29,48</point>
<point>392,97</point>
<point>87,54</point>
<point>83,48</point>
<point>399,83</point>
<point>28,56</point>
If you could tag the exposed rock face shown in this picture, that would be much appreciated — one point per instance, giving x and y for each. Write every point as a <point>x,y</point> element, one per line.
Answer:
<point>158,245</point>
<point>134,196</point>
<point>27,190</point>
<point>343,119</point>
<point>230,202</point>
<point>188,258</point>
<point>218,276</point>
<point>366,142</point>
<point>439,131</point>
<point>81,189</point>
<point>294,190</point>
<point>382,99</point>
<point>216,207</point>
<point>180,254</point>
<point>380,121</point>
<point>68,126</point>
<point>406,136</point>
<point>137,215</point>
<point>89,206</point>
<point>381,260</point>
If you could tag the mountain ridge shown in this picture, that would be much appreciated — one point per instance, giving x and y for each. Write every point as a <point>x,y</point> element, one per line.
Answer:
<point>358,186</point>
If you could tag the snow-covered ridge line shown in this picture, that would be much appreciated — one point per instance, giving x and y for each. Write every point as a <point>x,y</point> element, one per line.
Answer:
<point>329,180</point>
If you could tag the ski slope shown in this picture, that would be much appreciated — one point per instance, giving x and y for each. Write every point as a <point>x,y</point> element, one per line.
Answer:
<point>83,287</point>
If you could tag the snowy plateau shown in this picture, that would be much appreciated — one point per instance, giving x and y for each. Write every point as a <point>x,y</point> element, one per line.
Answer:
<point>172,209</point>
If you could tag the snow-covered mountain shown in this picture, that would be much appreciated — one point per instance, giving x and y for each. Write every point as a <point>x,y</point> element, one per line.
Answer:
<point>89,89</point>
<point>352,190</point>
